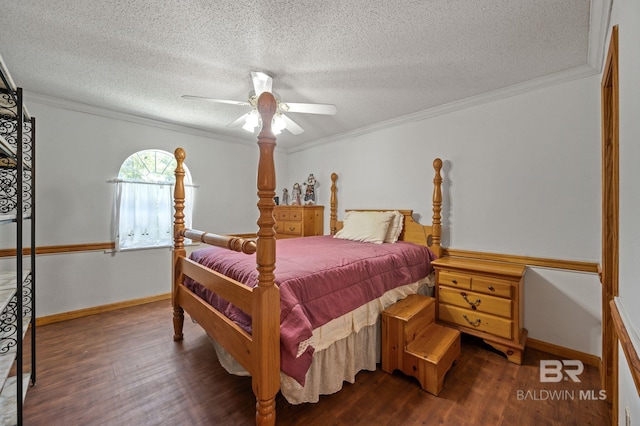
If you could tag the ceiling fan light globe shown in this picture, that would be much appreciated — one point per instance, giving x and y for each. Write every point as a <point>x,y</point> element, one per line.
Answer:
<point>279,124</point>
<point>248,127</point>
<point>252,119</point>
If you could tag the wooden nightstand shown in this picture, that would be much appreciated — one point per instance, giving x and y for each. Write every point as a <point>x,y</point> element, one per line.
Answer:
<point>299,221</point>
<point>484,299</point>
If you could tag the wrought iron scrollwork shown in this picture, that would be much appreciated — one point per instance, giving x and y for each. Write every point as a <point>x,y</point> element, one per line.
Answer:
<point>9,326</point>
<point>27,296</point>
<point>7,104</point>
<point>8,128</point>
<point>8,191</point>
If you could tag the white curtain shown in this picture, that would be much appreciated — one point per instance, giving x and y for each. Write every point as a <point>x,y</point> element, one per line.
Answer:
<point>144,214</point>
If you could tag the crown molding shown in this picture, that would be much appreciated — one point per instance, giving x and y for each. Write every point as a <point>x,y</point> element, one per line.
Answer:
<point>599,17</point>
<point>599,20</point>
<point>132,118</point>
<point>495,95</point>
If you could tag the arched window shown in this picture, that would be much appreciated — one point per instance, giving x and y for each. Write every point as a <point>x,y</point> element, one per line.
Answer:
<point>144,200</point>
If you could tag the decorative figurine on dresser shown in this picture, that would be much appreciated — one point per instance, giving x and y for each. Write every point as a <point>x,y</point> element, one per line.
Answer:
<point>296,192</point>
<point>310,192</point>
<point>285,197</point>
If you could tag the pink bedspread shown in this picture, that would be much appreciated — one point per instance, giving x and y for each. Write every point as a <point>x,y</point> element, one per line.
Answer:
<point>320,278</point>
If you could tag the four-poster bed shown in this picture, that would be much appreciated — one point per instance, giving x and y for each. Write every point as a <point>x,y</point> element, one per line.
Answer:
<point>266,321</point>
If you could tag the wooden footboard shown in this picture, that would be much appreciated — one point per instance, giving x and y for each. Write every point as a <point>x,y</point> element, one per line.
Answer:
<point>258,352</point>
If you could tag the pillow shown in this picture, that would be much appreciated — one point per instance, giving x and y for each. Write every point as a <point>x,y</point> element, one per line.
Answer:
<point>368,227</point>
<point>395,227</point>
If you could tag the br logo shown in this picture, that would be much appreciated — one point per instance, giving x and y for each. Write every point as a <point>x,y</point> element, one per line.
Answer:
<point>552,370</point>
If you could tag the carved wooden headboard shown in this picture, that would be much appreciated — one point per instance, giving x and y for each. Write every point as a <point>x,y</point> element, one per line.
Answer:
<point>412,231</point>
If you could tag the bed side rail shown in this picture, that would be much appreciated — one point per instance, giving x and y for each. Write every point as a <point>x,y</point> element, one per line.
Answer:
<point>229,289</point>
<point>229,335</point>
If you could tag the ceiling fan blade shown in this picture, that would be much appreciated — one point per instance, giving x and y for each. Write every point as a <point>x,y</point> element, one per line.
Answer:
<point>218,101</point>
<point>261,82</point>
<point>326,109</point>
<point>292,126</point>
<point>239,122</point>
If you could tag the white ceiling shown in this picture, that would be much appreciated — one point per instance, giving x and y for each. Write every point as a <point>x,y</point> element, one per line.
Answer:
<point>376,60</point>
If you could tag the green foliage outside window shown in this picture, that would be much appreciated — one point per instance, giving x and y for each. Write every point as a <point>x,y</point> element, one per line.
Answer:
<point>149,166</point>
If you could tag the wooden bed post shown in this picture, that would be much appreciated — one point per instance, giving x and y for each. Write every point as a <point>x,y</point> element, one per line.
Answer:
<point>436,228</point>
<point>333,217</point>
<point>178,243</point>
<point>266,296</point>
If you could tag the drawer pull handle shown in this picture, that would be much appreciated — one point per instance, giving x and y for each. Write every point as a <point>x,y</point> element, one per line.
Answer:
<point>475,323</point>
<point>454,281</point>
<point>491,288</point>
<point>466,299</point>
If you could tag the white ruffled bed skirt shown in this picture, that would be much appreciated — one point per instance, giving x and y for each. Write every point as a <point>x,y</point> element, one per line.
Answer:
<point>343,347</point>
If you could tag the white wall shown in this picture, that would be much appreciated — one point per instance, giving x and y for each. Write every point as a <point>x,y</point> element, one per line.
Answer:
<point>626,14</point>
<point>77,153</point>
<point>521,176</point>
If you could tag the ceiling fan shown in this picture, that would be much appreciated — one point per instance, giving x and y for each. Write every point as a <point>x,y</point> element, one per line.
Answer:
<point>250,120</point>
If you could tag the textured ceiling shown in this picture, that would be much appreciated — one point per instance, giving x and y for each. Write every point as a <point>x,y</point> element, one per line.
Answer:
<point>376,60</point>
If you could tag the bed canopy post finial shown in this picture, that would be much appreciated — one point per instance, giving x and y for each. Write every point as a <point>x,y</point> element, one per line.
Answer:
<point>266,191</point>
<point>266,296</point>
<point>436,227</point>
<point>333,217</point>
<point>178,241</point>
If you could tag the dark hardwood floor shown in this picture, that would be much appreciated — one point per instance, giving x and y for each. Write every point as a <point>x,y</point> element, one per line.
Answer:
<point>123,368</point>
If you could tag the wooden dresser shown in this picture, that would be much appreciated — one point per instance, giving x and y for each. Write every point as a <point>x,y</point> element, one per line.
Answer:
<point>299,221</point>
<point>485,299</point>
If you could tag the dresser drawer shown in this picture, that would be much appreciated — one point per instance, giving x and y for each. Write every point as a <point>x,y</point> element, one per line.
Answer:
<point>476,302</point>
<point>491,286</point>
<point>298,220</point>
<point>288,215</point>
<point>295,215</point>
<point>475,320</point>
<point>293,228</point>
<point>282,215</point>
<point>454,279</point>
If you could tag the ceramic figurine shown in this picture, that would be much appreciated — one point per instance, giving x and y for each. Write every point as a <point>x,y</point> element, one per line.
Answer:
<point>285,197</point>
<point>296,192</point>
<point>310,192</point>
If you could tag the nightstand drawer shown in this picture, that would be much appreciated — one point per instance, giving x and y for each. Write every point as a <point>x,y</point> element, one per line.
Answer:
<point>491,286</point>
<point>455,280</point>
<point>476,302</point>
<point>478,321</point>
